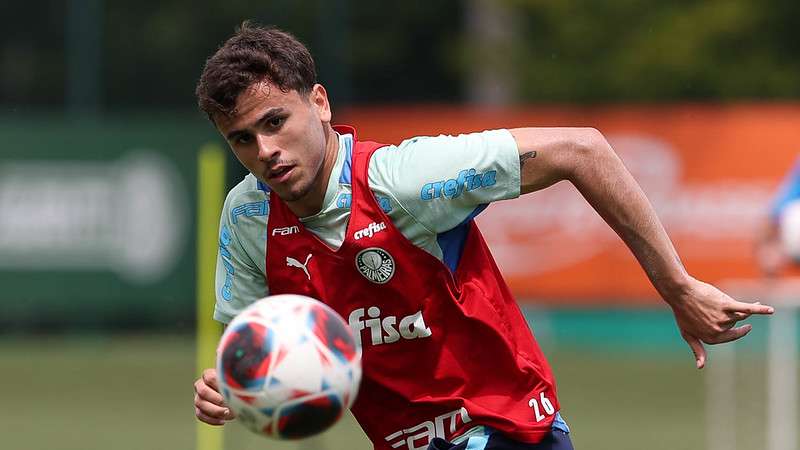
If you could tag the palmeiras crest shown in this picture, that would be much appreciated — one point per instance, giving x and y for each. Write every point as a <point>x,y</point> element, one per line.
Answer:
<point>376,264</point>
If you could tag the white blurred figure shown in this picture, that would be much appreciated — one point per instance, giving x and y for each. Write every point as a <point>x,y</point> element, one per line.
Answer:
<point>779,246</point>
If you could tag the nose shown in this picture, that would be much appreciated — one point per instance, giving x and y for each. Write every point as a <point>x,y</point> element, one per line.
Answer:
<point>266,150</point>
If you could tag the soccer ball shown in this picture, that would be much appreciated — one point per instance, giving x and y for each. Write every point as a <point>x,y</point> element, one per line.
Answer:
<point>288,366</point>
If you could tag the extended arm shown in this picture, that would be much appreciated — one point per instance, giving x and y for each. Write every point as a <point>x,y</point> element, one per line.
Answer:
<point>584,157</point>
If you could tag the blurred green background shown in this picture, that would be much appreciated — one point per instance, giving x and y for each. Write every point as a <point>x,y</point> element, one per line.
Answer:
<point>97,98</point>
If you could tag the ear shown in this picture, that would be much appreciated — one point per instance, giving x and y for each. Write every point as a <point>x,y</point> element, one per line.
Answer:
<point>319,98</point>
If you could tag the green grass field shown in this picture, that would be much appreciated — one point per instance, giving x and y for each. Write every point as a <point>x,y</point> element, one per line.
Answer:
<point>135,393</point>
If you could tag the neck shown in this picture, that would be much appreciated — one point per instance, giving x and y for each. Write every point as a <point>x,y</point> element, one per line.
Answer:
<point>311,203</point>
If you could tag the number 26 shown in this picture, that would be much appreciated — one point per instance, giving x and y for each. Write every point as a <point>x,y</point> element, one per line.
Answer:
<point>545,402</point>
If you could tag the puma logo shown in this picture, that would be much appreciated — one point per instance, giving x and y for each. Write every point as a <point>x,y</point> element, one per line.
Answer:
<point>291,262</point>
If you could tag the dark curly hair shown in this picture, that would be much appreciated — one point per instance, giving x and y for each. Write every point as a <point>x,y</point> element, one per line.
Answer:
<point>253,54</point>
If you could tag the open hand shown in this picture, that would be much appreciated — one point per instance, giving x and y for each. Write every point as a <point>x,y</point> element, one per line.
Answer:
<point>707,315</point>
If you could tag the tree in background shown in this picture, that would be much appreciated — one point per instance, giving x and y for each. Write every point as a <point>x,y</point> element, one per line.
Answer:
<point>434,51</point>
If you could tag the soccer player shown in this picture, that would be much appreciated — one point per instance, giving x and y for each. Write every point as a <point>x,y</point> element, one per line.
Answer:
<point>385,235</point>
<point>773,256</point>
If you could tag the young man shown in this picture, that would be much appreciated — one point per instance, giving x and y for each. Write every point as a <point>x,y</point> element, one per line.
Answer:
<point>384,234</point>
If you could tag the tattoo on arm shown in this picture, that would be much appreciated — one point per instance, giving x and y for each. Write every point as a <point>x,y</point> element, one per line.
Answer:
<point>523,158</point>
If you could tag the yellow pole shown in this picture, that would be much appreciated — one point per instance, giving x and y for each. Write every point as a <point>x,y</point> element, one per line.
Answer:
<point>210,192</point>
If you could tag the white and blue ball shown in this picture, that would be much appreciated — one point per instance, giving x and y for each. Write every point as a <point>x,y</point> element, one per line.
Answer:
<point>289,366</point>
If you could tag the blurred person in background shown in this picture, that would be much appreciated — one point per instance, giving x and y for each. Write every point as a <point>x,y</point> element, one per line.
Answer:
<point>778,248</point>
<point>469,354</point>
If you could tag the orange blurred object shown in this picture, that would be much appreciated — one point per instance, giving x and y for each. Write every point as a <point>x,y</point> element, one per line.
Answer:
<point>710,171</point>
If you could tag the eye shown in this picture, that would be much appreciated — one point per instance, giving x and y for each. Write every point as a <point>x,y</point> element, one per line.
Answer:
<point>276,122</point>
<point>243,139</point>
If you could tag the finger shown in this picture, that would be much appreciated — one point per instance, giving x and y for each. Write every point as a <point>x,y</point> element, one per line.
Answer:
<point>750,308</point>
<point>723,326</point>
<point>739,316</point>
<point>698,350</point>
<point>731,335</point>
<point>209,420</point>
<point>212,410</point>
<point>207,393</point>
<point>210,378</point>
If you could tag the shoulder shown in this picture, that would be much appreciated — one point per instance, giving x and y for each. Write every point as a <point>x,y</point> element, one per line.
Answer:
<point>444,144</point>
<point>444,156</point>
<point>248,188</point>
<point>431,160</point>
<point>441,180</point>
<point>246,200</point>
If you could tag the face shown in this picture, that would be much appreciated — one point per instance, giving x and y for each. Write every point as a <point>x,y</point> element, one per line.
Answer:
<point>280,137</point>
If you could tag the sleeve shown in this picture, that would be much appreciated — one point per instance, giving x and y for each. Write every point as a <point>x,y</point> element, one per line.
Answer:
<point>443,181</point>
<point>788,192</point>
<point>240,279</point>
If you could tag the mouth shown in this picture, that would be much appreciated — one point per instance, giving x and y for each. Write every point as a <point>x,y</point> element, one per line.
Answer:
<point>279,174</point>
